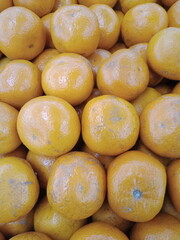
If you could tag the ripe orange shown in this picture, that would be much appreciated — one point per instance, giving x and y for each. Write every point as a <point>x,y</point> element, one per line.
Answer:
<point>141,22</point>
<point>22,35</point>
<point>68,76</point>
<point>99,231</point>
<point>42,165</point>
<point>20,189</point>
<point>39,7</point>
<point>19,152</point>
<point>22,225</point>
<point>164,87</point>
<point>49,221</point>
<point>48,125</point>
<point>128,4</point>
<point>60,3</point>
<point>5,4</point>
<point>160,126</point>
<point>46,20</point>
<point>164,53</point>
<point>30,236</point>
<point>20,81</point>
<point>169,208</point>
<point>3,61</point>
<point>77,185</point>
<point>107,215</point>
<point>162,227</point>
<point>88,3</point>
<point>174,15</point>
<point>75,29</point>
<point>117,46</point>
<point>173,176</point>
<point>124,74</point>
<point>8,132</point>
<point>110,125</point>
<point>136,186</point>
<point>176,89</point>
<point>109,25</point>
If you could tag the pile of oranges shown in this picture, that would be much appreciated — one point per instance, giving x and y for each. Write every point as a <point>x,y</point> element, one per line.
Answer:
<point>90,120</point>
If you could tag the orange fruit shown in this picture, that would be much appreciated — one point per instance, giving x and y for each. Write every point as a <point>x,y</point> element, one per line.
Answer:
<point>5,4</point>
<point>41,60</point>
<point>83,185</point>
<point>53,224</point>
<point>160,126</point>
<point>100,231</point>
<point>30,236</point>
<point>60,3</point>
<point>1,236</point>
<point>141,50</point>
<point>19,152</point>
<point>97,58</point>
<point>88,3</point>
<point>136,186</point>
<point>22,225</point>
<point>169,208</point>
<point>68,76</point>
<point>162,227</point>
<point>20,189</point>
<point>164,53</point>
<point>168,3</point>
<point>3,61</point>
<point>22,34</point>
<point>42,165</point>
<point>173,176</point>
<point>48,125</point>
<point>107,215</point>
<point>75,28</point>
<point>20,81</point>
<point>109,25</point>
<point>153,21</point>
<point>174,15</point>
<point>128,4</point>
<point>117,46</point>
<point>144,98</point>
<point>110,125</point>
<point>124,74</point>
<point>46,20</point>
<point>8,132</point>
<point>176,89</point>
<point>39,7</point>
<point>105,160</point>
<point>164,87</point>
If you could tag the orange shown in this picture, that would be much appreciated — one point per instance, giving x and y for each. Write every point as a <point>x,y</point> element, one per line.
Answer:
<point>164,53</point>
<point>124,74</point>
<point>23,224</point>
<point>44,57</point>
<point>128,4</point>
<point>22,34</point>
<point>105,160</point>
<point>164,87</point>
<point>168,3</point>
<point>99,231</point>
<point>20,81</point>
<point>68,76</point>
<point>20,189</point>
<point>19,152</point>
<point>141,50</point>
<point>160,126</point>
<point>8,132</point>
<point>75,28</point>
<point>110,125</point>
<point>173,176</point>
<point>77,185</point>
<point>176,89</point>
<point>48,125</point>
<point>1,236</point>
<point>109,25</point>
<point>97,58</point>
<point>5,4</point>
<point>169,208</point>
<point>30,236</point>
<point>39,7</point>
<point>46,20</point>
<point>144,98</point>
<point>53,224</point>
<point>42,165</point>
<point>174,15</point>
<point>136,186</point>
<point>117,46</point>
<point>107,215</point>
<point>88,3</point>
<point>3,61</point>
<point>152,17</point>
<point>162,227</point>
<point>60,3</point>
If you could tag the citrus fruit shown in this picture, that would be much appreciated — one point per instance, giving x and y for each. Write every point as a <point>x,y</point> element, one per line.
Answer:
<point>174,15</point>
<point>128,4</point>
<point>168,3</point>
<point>176,89</point>
<point>88,3</point>
<point>169,208</point>
<point>30,236</point>
<point>5,4</point>
<point>46,20</point>
<point>60,3</point>
<point>20,152</point>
